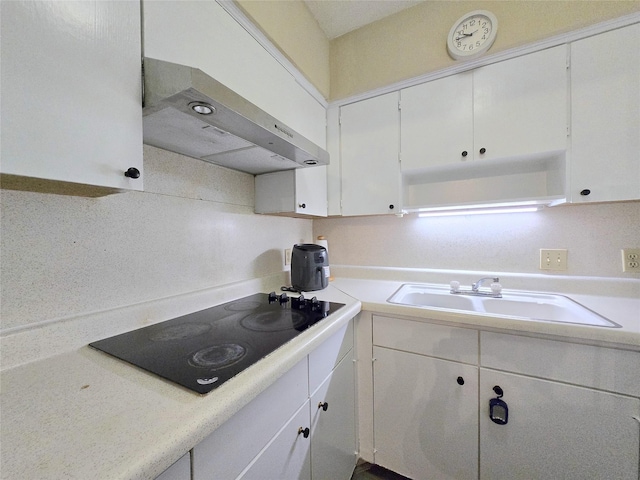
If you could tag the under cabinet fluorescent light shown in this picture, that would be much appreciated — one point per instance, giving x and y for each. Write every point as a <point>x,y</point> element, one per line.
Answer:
<point>478,211</point>
<point>482,209</point>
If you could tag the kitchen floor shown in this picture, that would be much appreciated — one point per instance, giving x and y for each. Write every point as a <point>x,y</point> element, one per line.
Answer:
<point>368,471</point>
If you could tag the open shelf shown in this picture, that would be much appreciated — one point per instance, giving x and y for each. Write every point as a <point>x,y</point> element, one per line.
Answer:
<point>540,177</point>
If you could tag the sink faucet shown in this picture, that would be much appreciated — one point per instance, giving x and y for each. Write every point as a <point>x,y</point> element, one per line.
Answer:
<point>476,286</point>
<point>495,292</point>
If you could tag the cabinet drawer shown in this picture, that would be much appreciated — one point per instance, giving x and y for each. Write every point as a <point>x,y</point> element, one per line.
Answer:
<point>287,457</point>
<point>451,343</point>
<point>588,365</point>
<point>324,358</point>
<point>251,428</point>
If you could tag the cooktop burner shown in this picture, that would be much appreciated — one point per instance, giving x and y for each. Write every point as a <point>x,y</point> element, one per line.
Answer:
<point>202,350</point>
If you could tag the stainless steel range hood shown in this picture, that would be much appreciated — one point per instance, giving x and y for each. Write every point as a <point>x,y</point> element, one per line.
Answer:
<point>188,112</point>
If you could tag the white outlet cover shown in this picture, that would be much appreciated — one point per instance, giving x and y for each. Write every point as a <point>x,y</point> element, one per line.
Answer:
<point>631,260</point>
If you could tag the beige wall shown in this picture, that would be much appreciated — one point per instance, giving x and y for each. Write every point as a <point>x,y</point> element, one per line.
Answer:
<point>413,42</point>
<point>291,27</point>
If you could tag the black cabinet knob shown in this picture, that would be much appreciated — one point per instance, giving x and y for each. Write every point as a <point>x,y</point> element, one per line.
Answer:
<point>498,391</point>
<point>323,406</point>
<point>302,205</point>
<point>391,207</point>
<point>465,153</point>
<point>304,432</point>
<point>132,172</point>
<point>585,192</point>
<point>460,381</point>
<point>483,151</point>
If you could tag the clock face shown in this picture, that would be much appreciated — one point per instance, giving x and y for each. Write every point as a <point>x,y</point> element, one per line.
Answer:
<point>472,35</point>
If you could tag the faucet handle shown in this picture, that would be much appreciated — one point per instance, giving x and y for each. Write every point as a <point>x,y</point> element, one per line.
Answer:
<point>455,286</point>
<point>496,287</point>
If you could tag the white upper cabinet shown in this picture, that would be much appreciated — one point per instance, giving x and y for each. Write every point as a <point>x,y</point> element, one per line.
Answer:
<point>510,109</point>
<point>369,148</point>
<point>302,191</point>
<point>71,91</point>
<point>605,117</point>
<point>520,105</point>
<point>437,122</point>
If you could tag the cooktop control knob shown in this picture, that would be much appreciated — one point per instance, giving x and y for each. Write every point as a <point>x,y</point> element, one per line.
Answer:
<point>315,305</point>
<point>273,297</point>
<point>283,298</point>
<point>298,302</point>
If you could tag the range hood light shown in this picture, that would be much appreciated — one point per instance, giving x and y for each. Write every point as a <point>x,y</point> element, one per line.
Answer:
<point>311,162</point>
<point>202,108</point>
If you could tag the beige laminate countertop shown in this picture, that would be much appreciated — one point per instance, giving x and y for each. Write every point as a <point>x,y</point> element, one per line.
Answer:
<point>84,414</point>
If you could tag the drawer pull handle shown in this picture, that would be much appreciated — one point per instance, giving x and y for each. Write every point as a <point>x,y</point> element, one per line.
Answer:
<point>323,406</point>
<point>460,381</point>
<point>304,432</point>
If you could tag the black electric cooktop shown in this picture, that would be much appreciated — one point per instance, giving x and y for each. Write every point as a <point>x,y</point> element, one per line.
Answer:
<point>202,350</point>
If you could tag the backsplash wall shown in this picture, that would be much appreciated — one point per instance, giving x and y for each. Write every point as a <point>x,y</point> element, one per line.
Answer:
<point>593,235</point>
<point>193,228</point>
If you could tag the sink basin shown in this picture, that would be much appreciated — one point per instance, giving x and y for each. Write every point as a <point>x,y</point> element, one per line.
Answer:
<point>518,305</point>
<point>438,300</point>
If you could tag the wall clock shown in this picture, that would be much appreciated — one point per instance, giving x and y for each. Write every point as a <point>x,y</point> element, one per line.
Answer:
<point>472,34</point>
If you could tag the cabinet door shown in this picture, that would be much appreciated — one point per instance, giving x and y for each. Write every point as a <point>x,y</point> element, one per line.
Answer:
<point>311,191</point>
<point>425,421</point>
<point>557,430</point>
<point>333,429</point>
<point>71,91</point>
<point>370,142</point>
<point>287,457</point>
<point>605,117</point>
<point>181,470</point>
<point>437,122</point>
<point>301,191</point>
<point>520,105</point>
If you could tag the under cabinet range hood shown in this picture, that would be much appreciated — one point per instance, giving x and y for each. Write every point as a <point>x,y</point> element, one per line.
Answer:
<point>188,112</point>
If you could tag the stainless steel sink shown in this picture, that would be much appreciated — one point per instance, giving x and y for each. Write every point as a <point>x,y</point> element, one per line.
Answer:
<point>529,306</point>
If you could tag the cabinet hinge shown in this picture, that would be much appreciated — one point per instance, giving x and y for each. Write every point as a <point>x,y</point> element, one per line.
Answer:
<point>142,83</point>
<point>399,105</point>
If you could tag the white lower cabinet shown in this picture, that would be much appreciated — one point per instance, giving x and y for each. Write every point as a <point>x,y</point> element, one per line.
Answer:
<point>181,470</point>
<point>573,409</point>
<point>556,430</point>
<point>282,434</point>
<point>333,428</point>
<point>425,408</point>
<point>426,422</point>
<point>287,456</point>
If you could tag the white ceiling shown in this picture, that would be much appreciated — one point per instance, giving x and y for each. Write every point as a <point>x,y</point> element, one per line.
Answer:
<point>337,17</point>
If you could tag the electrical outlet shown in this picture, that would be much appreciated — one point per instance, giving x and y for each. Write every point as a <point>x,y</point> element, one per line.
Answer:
<point>553,259</point>
<point>287,256</point>
<point>631,260</point>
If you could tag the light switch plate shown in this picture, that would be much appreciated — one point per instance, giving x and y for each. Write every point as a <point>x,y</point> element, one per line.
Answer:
<point>287,256</point>
<point>553,259</point>
<point>631,260</point>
